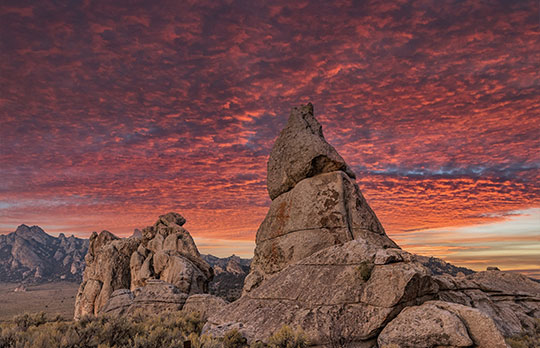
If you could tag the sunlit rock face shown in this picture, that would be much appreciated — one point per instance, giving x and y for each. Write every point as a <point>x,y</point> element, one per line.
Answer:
<point>323,263</point>
<point>164,260</point>
<point>301,152</point>
<point>315,201</point>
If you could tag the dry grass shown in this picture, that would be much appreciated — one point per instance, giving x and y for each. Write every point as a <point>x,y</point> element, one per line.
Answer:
<point>52,298</point>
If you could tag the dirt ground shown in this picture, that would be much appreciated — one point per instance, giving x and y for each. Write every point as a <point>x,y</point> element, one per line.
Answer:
<point>51,298</point>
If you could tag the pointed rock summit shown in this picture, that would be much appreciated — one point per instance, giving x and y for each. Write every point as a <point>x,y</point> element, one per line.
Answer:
<point>315,201</point>
<point>301,152</point>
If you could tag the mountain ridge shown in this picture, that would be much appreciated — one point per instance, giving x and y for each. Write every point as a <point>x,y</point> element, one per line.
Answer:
<point>30,255</point>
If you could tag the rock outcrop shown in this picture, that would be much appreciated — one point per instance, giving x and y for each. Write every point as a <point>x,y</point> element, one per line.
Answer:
<point>437,323</point>
<point>30,255</point>
<point>168,252</point>
<point>154,272</point>
<point>315,201</point>
<point>301,152</point>
<point>107,270</point>
<point>338,288</point>
<point>323,263</point>
<point>155,297</point>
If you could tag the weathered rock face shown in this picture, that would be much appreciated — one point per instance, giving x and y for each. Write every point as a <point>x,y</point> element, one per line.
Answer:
<point>155,297</point>
<point>338,288</point>
<point>165,257</point>
<point>107,270</point>
<point>512,300</point>
<point>323,263</point>
<point>204,304</point>
<point>437,323</point>
<point>315,201</point>
<point>168,252</point>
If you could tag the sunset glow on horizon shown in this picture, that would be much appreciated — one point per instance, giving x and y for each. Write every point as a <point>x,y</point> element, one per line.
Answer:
<point>113,113</point>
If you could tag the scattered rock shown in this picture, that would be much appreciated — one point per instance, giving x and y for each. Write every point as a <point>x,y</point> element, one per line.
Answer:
<point>20,288</point>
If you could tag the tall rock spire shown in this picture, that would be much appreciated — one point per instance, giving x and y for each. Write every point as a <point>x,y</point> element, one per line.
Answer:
<point>301,152</point>
<point>315,200</point>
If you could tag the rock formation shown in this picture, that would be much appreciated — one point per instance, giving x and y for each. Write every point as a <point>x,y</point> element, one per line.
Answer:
<point>30,255</point>
<point>168,252</point>
<point>316,203</point>
<point>437,323</point>
<point>107,270</point>
<point>154,272</point>
<point>323,263</point>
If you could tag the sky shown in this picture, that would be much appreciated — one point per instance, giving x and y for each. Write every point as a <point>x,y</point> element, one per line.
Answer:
<point>113,113</point>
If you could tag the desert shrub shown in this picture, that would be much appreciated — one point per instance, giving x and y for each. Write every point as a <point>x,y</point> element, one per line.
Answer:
<point>24,321</point>
<point>288,338</point>
<point>257,344</point>
<point>167,330</point>
<point>204,341</point>
<point>526,341</point>
<point>234,339</point>
<point>364,270</point>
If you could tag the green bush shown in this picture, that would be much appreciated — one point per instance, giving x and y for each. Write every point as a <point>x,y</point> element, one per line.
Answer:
<point>288,338</point>
<point>234,339</point>
<point>167,330</point>
<point>24,321</point>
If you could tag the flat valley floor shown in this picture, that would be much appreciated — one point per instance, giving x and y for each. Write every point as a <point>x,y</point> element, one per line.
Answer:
<point>51,298</point>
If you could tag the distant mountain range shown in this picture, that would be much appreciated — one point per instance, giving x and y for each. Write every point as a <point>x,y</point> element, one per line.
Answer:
<point>30,255</point>
<point>229,275</point>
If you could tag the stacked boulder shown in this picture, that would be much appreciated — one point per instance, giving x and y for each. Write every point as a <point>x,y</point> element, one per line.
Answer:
<point>323,263</point>
<point>315,201</point>
<point>154,272</point>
